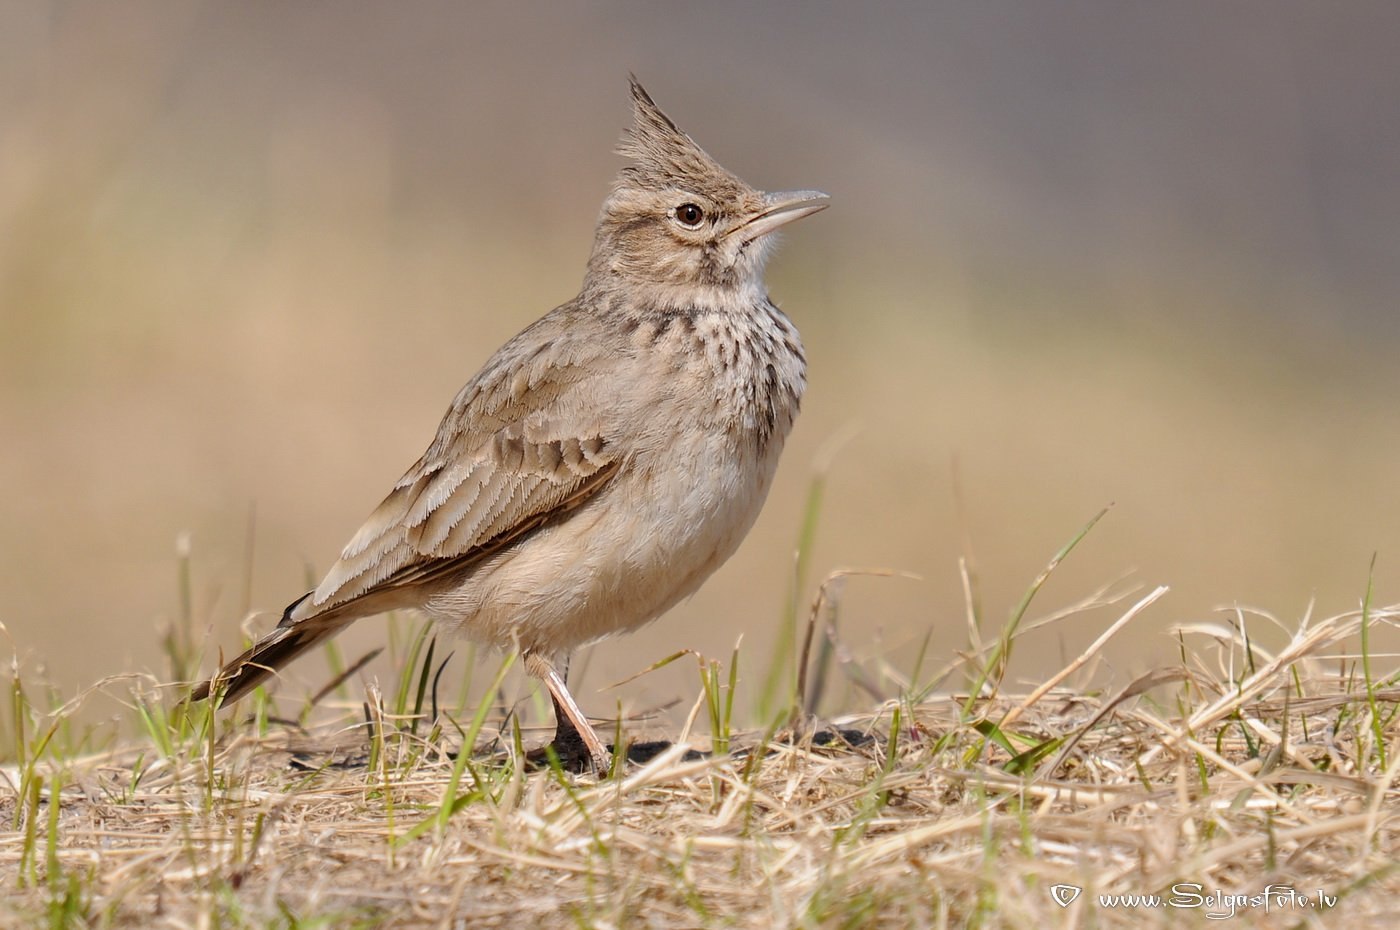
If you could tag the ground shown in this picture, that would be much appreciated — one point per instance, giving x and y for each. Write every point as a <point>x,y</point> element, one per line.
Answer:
<point>1233,781</point>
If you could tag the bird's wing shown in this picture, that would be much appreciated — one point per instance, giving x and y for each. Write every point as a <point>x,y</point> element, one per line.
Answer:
<point>521,446</point>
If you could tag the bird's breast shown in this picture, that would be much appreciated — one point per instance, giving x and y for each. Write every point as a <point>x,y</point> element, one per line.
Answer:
<point>738,372</point>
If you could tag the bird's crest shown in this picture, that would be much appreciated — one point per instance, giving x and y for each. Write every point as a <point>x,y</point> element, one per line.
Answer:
<point>662,155</point>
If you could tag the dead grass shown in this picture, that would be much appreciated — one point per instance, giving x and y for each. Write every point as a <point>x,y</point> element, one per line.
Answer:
<point>1231,769</point>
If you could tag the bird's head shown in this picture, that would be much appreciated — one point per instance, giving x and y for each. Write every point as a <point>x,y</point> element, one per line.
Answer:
<point>677,224</point>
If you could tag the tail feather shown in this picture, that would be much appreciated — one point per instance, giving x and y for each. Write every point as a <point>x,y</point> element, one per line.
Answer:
<point>283,644</point>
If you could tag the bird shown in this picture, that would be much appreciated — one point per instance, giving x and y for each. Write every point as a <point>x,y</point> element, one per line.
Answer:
<point>606,460</point>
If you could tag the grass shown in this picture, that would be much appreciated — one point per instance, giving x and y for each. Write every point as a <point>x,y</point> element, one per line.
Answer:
<point>1259,756</point>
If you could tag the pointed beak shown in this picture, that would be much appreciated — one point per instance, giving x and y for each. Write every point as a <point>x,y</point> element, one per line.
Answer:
<point>780,209</point>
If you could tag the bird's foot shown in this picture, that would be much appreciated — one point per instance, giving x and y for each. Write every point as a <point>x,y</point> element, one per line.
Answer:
<point>573,753</point>
<point>573,757</point>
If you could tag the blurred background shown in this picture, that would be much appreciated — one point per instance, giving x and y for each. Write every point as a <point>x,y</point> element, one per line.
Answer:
<point>1079,254</point>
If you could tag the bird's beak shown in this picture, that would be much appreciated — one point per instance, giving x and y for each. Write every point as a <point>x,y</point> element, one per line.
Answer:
<point>780,209</point>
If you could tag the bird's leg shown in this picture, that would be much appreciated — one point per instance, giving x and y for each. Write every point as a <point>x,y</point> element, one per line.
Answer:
<point>568,743</point>
<point>575,740</point>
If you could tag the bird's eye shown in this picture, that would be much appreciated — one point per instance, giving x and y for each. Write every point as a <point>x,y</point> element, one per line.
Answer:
<point>689,215</point>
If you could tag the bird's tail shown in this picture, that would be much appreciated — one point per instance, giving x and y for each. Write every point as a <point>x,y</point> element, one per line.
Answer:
<point>289,640</point>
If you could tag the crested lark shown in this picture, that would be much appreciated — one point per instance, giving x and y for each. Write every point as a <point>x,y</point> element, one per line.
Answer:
<point>605,461</point>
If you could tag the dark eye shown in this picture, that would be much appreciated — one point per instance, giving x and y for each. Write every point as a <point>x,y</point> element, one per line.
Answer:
<point>689,215</point>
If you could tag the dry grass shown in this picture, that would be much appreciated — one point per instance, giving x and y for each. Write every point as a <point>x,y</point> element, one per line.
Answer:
<point>1232,767</point>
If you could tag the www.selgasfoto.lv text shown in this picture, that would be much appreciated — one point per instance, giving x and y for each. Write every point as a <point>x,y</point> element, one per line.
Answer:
<point>1220,904</point>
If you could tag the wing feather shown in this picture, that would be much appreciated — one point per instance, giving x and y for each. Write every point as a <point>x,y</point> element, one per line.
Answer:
<point>394,508</point>
<point>432,529</point>
<point>465,510</point>
<point>520,446</point>
<point>525,497</point>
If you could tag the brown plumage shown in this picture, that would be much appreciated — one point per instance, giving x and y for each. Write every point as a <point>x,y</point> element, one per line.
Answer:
<point>607,459</point>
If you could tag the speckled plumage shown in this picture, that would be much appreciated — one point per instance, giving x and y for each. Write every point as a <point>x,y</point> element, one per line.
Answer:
<point>606,460</point>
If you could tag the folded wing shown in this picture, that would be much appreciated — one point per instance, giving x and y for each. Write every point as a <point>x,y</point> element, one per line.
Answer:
<point>522,445</point>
